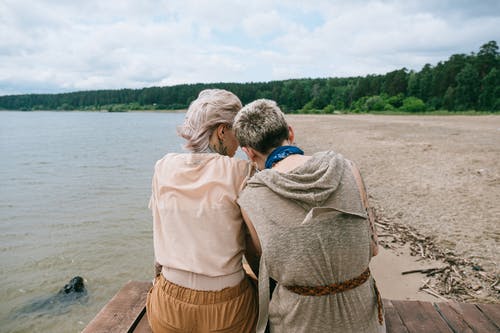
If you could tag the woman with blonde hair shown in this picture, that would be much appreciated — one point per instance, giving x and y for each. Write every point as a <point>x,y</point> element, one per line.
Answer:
<point>198,231</point>
<point>309,218</point>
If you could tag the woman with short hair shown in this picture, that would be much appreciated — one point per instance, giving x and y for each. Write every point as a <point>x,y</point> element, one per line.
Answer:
<point>308,217</point>
<point>198,231</point>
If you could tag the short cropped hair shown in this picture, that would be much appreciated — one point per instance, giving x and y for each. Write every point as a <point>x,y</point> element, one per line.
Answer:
<point>261,125</point>
<point>212,108</point>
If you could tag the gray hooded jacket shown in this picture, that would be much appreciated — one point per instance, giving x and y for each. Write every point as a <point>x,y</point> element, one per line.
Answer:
<point>313,231</point>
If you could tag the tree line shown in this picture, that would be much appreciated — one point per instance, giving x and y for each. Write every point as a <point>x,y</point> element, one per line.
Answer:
<point>463,82</point>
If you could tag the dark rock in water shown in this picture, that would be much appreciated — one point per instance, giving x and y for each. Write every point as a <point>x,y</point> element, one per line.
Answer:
<point>73,292</point>
<point>75,285</point>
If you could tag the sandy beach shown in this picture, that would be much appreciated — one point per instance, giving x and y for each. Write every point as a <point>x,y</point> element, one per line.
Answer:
<point>434,183</point>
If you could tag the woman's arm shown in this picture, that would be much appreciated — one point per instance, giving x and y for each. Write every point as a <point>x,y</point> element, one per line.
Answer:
<point>253,249</point>
<point>156,215</point>
<point>369,210</point>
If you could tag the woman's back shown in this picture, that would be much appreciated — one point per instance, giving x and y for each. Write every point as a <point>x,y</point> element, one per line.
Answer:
<point>199,226</point>
<point>313,231</point>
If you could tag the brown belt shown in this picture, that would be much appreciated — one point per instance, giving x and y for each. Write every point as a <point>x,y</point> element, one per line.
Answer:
<point>340,287</point>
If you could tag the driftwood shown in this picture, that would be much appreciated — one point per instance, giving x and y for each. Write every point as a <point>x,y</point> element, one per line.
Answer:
<point>462,279</point>
<point>431,291</point>
<point>428,271</point>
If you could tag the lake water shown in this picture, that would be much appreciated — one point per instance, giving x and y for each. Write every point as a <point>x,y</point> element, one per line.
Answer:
<point>74,190</point>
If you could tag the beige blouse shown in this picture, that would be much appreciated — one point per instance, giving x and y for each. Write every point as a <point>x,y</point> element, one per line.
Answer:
<point>197,224</point>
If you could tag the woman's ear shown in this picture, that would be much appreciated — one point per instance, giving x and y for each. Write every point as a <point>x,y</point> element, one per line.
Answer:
<point>249,152</point>
<point>220,131</point>
<point>291,135</point>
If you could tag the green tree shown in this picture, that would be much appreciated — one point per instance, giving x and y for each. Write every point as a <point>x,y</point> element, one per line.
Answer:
<point>413,84</point>
<point>449,99</point>
<point>466,92</point>
<point>413,104</point>
<point>329,109</point>
<point>375,103</point>
<point>487,58</point>
<point>395,82</point>
<point>444,76</point>
<point>425,82</point>
<point>395,101</point>
<point>489,99</point>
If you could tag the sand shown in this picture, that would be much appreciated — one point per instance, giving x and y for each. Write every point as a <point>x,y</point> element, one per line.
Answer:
<point>434,182</point>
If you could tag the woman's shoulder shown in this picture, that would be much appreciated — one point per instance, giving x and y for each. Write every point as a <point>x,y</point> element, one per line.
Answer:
<point>328,154</point>
<point>242,168</point>
<point>218,163</point>
<point>234,161</point>
<point>166,158</point>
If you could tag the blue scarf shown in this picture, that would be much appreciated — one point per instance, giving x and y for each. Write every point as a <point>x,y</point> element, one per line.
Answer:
<point>281,153</point>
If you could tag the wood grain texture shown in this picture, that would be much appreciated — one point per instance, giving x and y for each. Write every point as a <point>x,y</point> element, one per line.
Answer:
<point>121,313</point>
<point>125,312</point>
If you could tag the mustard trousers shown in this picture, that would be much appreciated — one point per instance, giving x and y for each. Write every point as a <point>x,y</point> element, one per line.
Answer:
<point>172,308</point>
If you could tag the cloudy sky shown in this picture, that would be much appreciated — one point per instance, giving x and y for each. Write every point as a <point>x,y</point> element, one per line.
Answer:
<point>51,46</point>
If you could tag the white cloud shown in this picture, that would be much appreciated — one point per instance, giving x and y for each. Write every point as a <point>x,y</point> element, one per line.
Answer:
<point>264,24</point>
<point>54,46</point>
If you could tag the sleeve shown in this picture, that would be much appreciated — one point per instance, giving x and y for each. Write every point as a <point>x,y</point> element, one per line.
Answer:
<point>369,210</point>
<point>153,200</point>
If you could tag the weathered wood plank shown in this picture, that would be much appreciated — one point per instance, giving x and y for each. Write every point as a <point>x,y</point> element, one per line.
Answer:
<point>492,311</point>
<point>122,311</point>
<point>453,318</point>
<point>474,317</point>
<point>420,317</point>
<point>393,322</point>
<point>125,312</point>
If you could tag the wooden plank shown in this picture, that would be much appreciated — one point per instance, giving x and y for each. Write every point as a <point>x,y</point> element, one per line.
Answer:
<point>474,317</point>
<point>121,312</point>
<point>393,322</point>
<point>420,317</point>
<point>492,311</point>
<point>126,312</point>
<point>453,318</point>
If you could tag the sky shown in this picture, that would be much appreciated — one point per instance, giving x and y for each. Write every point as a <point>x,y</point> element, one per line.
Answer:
<point>54,46</point>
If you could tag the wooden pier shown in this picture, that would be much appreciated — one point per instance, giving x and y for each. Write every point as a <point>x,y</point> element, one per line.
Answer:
<point>126,312</point>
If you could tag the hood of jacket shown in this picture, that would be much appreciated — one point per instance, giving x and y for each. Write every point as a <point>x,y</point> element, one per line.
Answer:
<point>310,184</point>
